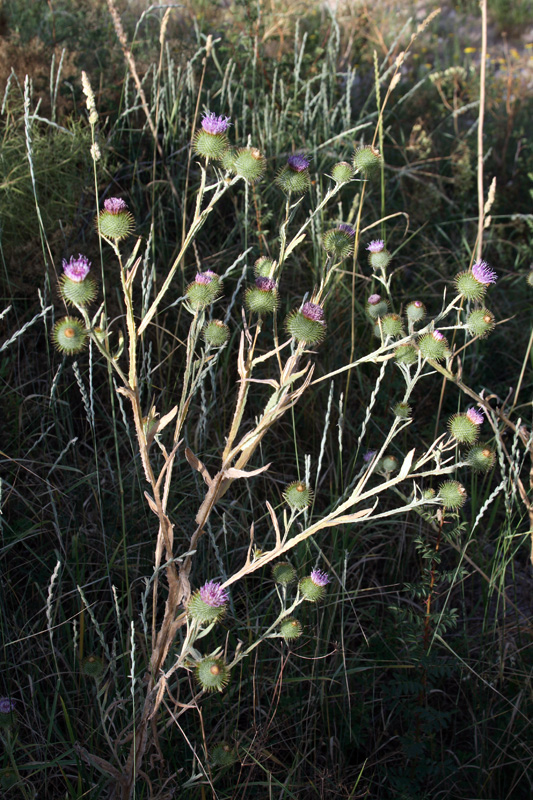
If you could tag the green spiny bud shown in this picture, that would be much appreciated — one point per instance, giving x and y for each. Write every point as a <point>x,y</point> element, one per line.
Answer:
<point>391,325</point>
<point>290,628</point>
<point>416,311</point>
<point>428,494</point>
<point>212,674</point>
<point>463,429</point>
<point>307,324</point>
<point>433,346</point>
<point>367,160</point>
<point>379,260</point>
<point>249,163</point>
<point>452,494</point>
<point>263,297</point>
<point>342,172</point>
<point>69,335</point>
<point>215,333</point>
<point>480,322</point>
<point>530,277</point>
<point>312,588</point>
<point>223,755</point>
<point>203,290</point>
<point>93,667</point>
<point>470,288</point>
<point>339,241</point>
<point>387,465</point>
<point>208,604</point>
<point>376,306</point>
<point>263,267</point>
<point>78,293</point>
<point>228,159</point>
<point>406,354</point>
<point>294,178</point>
<point>283,573</point>
<point>402,410</point>
<point>209,145</point>
<point>115,221</point>
<point>298,495</point>
<point>481,458</point>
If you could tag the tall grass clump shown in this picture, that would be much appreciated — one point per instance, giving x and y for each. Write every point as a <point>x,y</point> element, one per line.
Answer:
<point>266,516</point>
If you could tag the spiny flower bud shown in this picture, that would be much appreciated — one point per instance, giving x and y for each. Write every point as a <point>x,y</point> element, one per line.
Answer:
<point>480,322</point>
<point>481,458</point>
<point>211,140</point>
<point>249,163</point>
<point>263,297</point>
<point>314,587</point>
<point>342,172</point>
<point>215,333</point>
<point>339,241</point>
<point>433,346</point>
<point>212,674</point>
<point>463,428</point>
<point>294,178</point>
<point>290,628</point>
<point>379,257</point>
<point>402,410</point>
<point>391,325</point>
<point>93,667</point>
<point>223,755</point>
<point>298,495</point>
<point>530,277</point>
<point>7,712</point>
<point>69,335</point>
<point>115,221</point>
<point>307,325</point>
<point>228,159</point>
<point>428,494</point>
<point>204,289</point>
<point>387,465</point>
<point>416,311</point>
<point>208,604</point>
<point>406,354</point>
<point>452,494</point>
<point>367,160</point>
<point>283,573</point>
<point>376,306</point>
<point>75,286</point>
<point>263,267</point>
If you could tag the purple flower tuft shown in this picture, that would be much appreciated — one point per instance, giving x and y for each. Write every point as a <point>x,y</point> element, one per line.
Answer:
<point>313,311</point>
<point>298,162</point>
<point>319,577</point>
<point>369,455</point>
<point>475,415</point>
<point>77,269</point>
<point>418,303</point>
<point>345,228</point>
<point>483,273</point>
<point>204,277</point>
<point>265,284</point>
<point>374,299</point>
<point>376,246</point>
<point>6,705</point>
<point>437,335</point>
<point>213,124</point>
<point>213,594</point>
<point>115,205</point>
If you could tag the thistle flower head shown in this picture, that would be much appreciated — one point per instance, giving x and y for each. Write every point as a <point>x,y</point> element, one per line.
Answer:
<point>6,705</point>
<point>265,284</point>
<point>437,335</point>
<point>298,162</point>
<point>483,273</point>
<point>475,415</point>
<point>204,277</point>
<point>369,455</point>
<point>213,124</point>
<point>77,269</point>
<point>374,299</point>
<point>376,246</point>
<point>115,205</point>
<point>213,594</point>
<point>319,577</point>
<point>313,311</point>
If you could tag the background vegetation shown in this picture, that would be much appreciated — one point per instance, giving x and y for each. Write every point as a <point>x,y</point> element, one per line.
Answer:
<point>413,678</point>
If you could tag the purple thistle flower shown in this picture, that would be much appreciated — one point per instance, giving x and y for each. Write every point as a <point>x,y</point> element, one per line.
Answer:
<point>77,269</point>
<point>213,124</point>
<point>376,246</point>
<point>115,205</point>
<point>265,284</point>
<point>345,228</point>
<point>6,705</point>
<point>418,303</point>
<point>319,577</point>
<point>204,277</point>
<point>298,162</point>
<point>313,311</point>
<point>475,415</point>
<point>483,273</point>
<point>213,594</point>
<point>437,335</point>
<point>374,299</point>
<point>369,455</point>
